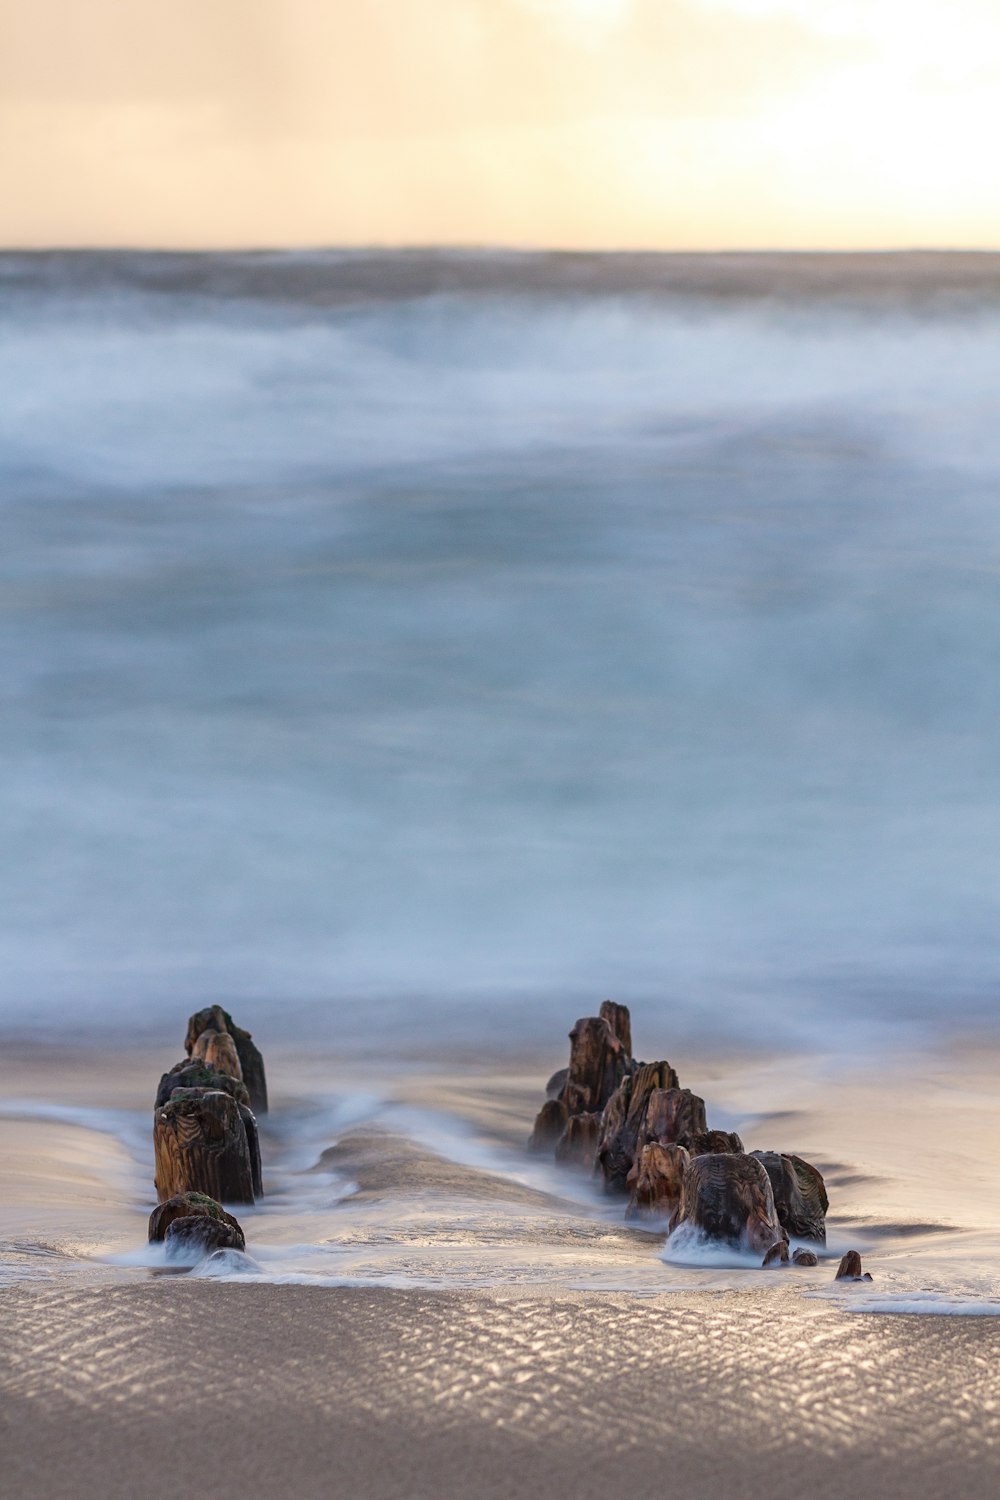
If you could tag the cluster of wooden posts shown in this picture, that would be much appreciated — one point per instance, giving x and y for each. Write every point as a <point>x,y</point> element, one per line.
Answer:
<point>205,1138</point>
<point>628,1122</point>
<point>632,1125</point>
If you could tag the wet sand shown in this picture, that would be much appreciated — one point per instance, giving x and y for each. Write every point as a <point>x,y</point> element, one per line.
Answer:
<point>296,1392</point>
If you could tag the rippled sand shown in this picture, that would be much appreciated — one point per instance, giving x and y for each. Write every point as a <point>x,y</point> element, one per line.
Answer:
<point>292,1391</point>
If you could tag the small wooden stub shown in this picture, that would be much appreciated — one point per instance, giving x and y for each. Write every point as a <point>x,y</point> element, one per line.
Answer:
<point>850,1268</point>
<point>192,1238</point>
<point>189,1205</point>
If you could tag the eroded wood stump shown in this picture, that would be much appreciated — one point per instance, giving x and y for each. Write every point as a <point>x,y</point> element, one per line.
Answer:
<point>549,1126</point>
<point>673,1114</point>
<point>201,1146</point>
<point>623,1122</point>
<point>728,1198</point>
<point>190,1205</point>
<point>634,1124</point>
<point>198,1075</point>
<point>214,1018</point>
<point>850,1268</point>
<point>218,1051</point>
<point>577,1146</point>
<point>799,1194</point>
<point>597,1065</point>
<point>191,1239</point>
<point>655,1180</point>
<point>805,1258</point>
<point>709,1141</point>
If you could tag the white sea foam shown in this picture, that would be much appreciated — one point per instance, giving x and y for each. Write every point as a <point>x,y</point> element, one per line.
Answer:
<point>939,1305</point>
<point>688,1246</point>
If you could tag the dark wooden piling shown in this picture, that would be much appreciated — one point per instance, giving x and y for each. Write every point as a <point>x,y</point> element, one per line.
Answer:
<point>200,1143</point>
<point>624,1119</point>
<point>655,1180</point>
<point>189,1205</point>
<point>192,1238</point>
<point>799,1194</point>
<point>214,1018</point>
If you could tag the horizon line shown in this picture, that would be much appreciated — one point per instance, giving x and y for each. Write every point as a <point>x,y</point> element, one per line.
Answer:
<point>470,247</point>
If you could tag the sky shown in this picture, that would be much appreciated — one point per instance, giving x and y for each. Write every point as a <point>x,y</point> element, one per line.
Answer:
<point>673,124</point>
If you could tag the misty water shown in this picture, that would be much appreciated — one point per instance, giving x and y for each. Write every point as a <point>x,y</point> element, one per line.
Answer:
<point>446,654</point>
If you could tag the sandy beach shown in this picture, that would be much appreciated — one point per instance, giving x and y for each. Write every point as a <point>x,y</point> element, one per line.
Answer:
<point>438,1314</point>
<point>298,1392</point>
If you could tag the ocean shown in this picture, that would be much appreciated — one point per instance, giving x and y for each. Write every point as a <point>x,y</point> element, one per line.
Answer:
<point>407,646</point>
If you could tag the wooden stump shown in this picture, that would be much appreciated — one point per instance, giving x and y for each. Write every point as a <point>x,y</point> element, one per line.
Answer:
<point>804,1258</point>
<point>850,1268</point>
<point>799,1194</point>
<point>218,1050</point>
<point>549,1126</point>
<point>577,1145</point>
<point>200,1144</point>
<point>214,1018</point>
<point>709,1142</point>
<point>674,1114</point>
<point>189,1205</point>
<point>197,1075</point>
<point>597,1065</point>
<point>728,1198</point>
<point>655,1181</point>
<point>623,1124</point>
<point>777,1255</point>
<point>191,1239</point>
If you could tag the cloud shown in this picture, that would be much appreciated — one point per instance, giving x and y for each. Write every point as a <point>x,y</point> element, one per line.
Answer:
<point>377,66</point>
<point>517,121</point>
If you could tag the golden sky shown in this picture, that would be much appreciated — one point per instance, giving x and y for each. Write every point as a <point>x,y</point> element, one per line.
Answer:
<point>595,123</point>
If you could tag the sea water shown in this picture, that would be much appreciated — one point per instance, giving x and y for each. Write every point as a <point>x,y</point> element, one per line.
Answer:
<point>428,646</point>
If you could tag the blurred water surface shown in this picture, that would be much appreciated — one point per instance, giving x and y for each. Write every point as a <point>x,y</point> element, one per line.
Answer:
<point>442,650</point>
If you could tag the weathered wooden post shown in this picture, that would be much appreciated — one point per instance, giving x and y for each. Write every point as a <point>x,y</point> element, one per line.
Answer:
<point>577,1146</point>
<point>218,1050</point>
<point>188,1205</point>
<point>214,1018</point>
<point>799,1194</point>
<point>624,1118</point>
<point>200,1144</point>
<point>549,1126</point>
<point>655,1180</point>
<point>728,1198</point>
<point>850,1268</point>
<point>191,1239</point>
<point>673,1115</point>
<point>194,1074</point>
